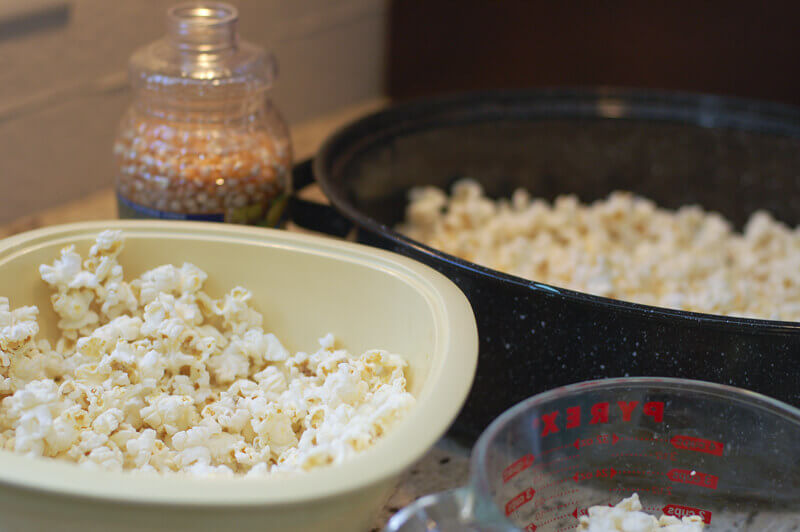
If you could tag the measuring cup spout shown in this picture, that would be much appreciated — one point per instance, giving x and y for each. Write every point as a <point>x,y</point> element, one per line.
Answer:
<point>446,511</point>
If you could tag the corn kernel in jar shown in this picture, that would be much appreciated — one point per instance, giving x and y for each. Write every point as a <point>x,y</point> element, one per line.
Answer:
<point>201,140</point>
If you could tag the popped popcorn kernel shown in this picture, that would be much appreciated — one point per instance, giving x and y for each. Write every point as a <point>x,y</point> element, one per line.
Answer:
<point>622,247</point>
<point>627,516</point>
<point>156,376</point>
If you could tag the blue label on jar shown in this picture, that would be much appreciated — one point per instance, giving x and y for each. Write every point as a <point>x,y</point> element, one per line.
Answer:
<point>128,209</point>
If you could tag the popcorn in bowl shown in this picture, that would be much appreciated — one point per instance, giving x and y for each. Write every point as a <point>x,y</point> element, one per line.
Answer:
<point>156,375</point>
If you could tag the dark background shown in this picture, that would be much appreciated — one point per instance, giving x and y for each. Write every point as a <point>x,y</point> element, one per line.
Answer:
<point>747,49</point>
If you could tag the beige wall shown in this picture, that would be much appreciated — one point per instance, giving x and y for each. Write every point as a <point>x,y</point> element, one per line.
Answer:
<point>63,90</point>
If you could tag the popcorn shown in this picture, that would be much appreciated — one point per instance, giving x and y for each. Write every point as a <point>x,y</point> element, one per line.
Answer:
<point>106,457</point>
<point>108,421</point>
<point>155,375</point>
<point>628,517</point>
<point>168,279</point>
<point>18,327</point>
<point>622,247</point>
<point>140,449</point>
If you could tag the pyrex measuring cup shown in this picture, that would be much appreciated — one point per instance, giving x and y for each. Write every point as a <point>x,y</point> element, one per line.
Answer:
<point>686,447</point>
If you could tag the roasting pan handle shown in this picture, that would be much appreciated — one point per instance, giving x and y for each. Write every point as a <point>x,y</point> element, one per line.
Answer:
<point>313,215</point>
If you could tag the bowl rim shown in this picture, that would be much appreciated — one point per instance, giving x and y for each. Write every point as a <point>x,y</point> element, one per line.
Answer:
<point>605,103</point>
<point>456,349</point>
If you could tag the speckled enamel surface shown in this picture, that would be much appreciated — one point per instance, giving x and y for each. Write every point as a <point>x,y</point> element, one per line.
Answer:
<point>731,156</point>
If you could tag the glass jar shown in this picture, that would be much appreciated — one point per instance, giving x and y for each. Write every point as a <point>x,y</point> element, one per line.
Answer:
<point>201,140</point>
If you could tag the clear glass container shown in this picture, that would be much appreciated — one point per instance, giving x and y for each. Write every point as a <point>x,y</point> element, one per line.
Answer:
<point>202,141</point>
<point>727,455</point>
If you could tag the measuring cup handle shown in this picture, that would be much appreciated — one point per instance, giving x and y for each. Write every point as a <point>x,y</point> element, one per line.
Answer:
<point>446,511</point>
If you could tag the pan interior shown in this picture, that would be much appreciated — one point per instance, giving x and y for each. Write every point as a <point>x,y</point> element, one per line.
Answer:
<point>728,156</point>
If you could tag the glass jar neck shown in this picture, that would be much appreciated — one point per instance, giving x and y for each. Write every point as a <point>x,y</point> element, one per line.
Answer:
<point>201,72</point>
<point>202,28</point>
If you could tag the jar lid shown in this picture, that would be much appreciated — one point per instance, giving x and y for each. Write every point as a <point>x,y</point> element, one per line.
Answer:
<point>202,51</point>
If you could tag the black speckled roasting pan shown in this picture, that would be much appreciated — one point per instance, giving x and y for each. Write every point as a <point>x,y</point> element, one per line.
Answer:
<point>732,156</point>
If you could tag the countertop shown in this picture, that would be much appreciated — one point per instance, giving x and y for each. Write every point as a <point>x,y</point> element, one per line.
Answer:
<point>102,205</point>
<point>446,465</point>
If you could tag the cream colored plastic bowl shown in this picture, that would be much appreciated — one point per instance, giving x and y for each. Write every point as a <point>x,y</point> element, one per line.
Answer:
<point>305,287</point>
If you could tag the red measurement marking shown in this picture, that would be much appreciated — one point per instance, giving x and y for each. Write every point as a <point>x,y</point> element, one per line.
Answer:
<point>530,528</point>
<point>636,472</point>
<point>553,449</point>
<point>583,443</point>
<point>542,500</point>
<point>679,511</point>
<point>643,438</point>
<point>554,483</point>
<point>540,513</point>
<point>657,455</point>
<point>608,438</point>
<point>520,500</point>
<point>599,473</point>
<point>684,476</point>
<point>562,459</point>
<point>699,445</point>
<point>517,467</point>
<point>658,490</point>
<point>577,512</point>
<point>554,519</point>
<point>600,439</point>
<point>540,465</point>
<point>550,473</point>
